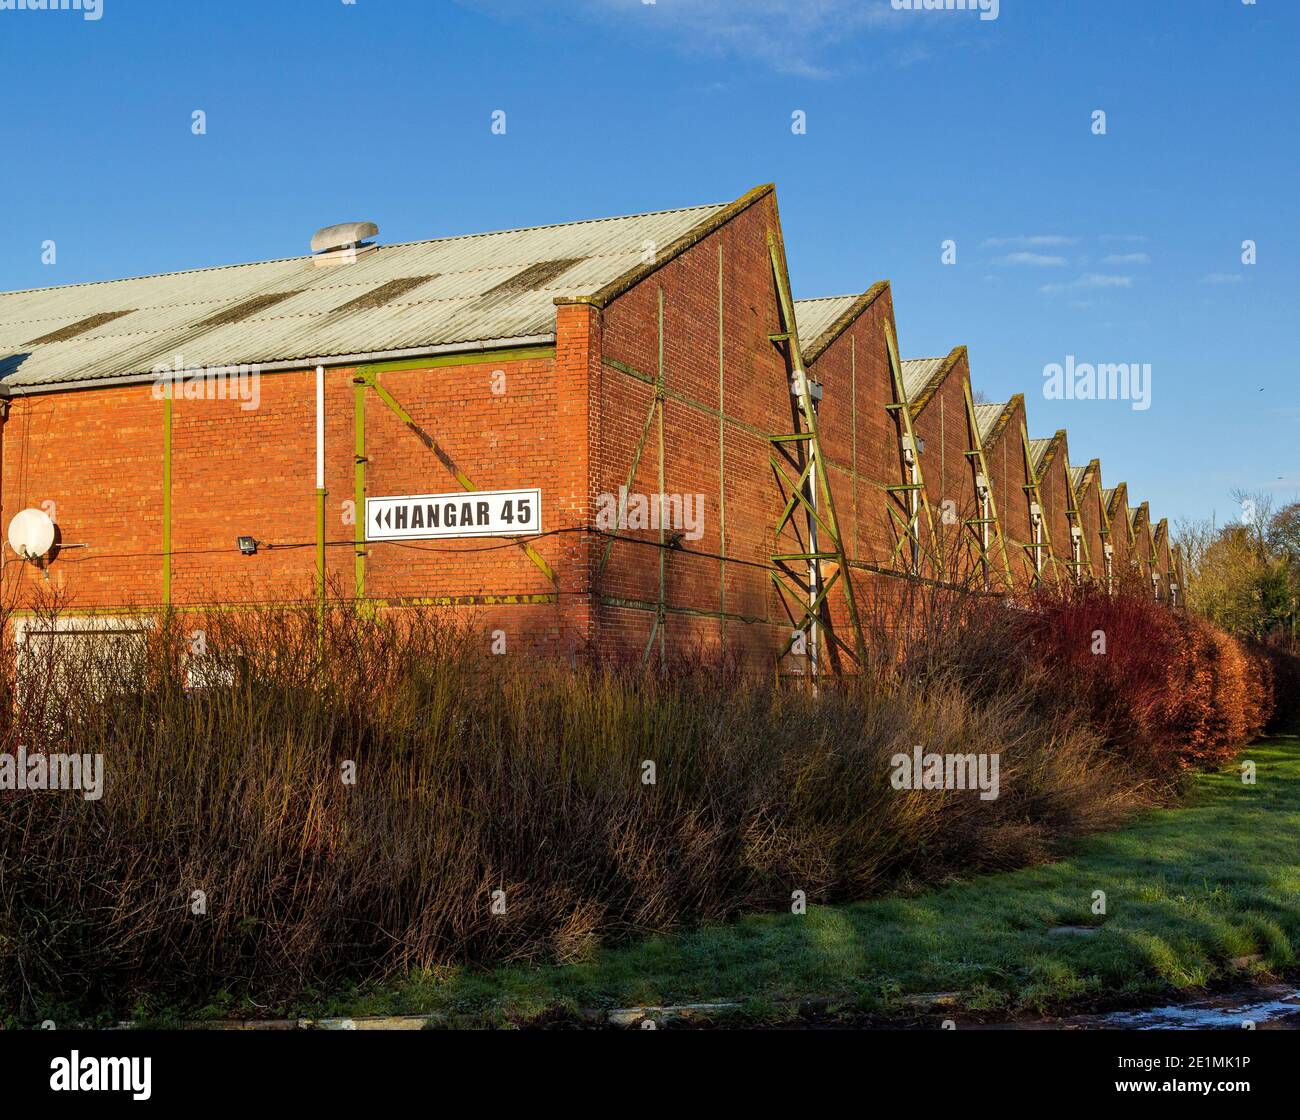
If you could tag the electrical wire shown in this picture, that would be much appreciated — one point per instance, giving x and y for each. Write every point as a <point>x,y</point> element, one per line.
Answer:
<point>512,542</point>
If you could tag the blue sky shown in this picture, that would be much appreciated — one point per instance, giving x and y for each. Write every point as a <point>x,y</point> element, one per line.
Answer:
<point>922,127</point>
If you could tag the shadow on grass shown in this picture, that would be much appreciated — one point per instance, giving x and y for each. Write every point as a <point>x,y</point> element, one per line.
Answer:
<point>1183,893</point>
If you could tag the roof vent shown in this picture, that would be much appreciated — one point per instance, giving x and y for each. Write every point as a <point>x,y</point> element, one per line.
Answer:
<point>343,243</point>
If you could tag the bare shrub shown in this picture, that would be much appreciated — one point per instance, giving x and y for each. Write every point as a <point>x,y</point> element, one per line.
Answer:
<point>503,808</point>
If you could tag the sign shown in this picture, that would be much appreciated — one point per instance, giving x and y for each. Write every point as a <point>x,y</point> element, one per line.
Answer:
<point>466,513</point>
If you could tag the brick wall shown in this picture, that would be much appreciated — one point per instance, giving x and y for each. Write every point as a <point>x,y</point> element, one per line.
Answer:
<point>93,461</point>
<point>725,389</point>
<point>1093,519</point>
<point>859,436</point>
<point>1054,489</point>
<point>98,456</point>
<point>1144,544</point>
<point>1121,540</point>
<point>1164,559</point>
<point>1004,451</point>
<point>573,421</point>
<point>941,424</point>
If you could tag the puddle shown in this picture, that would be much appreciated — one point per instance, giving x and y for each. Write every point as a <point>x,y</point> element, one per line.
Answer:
<point>1271,1008</point>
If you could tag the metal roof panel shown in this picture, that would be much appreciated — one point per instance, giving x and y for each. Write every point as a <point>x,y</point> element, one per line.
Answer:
<point>987,416</point>
<point>918,373</point>
<point>167,313</point>
<point>814,317</point>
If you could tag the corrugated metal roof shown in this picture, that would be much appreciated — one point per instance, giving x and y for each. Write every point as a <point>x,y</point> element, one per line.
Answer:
<point>986,418</point>
<point>296,310</point>
<point>814,317</point>
<point>917,374</point>
<point>1038,451</point>
<point>1076,476</point>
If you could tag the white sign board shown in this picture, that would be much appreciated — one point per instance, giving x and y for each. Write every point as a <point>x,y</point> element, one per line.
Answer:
<point>466,513</point>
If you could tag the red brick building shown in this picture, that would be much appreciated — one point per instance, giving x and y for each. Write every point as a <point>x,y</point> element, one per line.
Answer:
<point>1002,428</point>
<point>590,436</point>
<point>1126,557</point>
<point>1062,557</point>
<point>1092,518</point>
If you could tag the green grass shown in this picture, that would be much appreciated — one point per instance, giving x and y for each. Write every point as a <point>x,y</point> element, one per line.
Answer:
<point>1187,890</point>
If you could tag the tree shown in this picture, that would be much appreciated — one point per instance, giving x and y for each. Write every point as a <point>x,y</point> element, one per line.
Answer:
<point>1245,576</point>
<point>1283,534</point>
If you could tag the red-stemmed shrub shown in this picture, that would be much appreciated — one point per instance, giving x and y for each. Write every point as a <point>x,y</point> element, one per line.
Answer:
<point>1166,688</point>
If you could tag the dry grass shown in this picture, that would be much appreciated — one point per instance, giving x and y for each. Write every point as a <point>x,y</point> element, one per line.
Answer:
<point>478,774</point>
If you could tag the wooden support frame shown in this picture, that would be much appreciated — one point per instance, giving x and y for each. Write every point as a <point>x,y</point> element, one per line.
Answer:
<point>804,597</point>
<point>981,468</point>
<point>369,377</point>
<point>167,496</point>
<point>1033,491</point>
<point>917,496</point>
<point>1075,516</point>
<point>359,488</point>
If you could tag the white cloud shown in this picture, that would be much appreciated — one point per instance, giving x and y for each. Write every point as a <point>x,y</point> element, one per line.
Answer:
<point>1034,260</point>
<point>1090,282</point>
<point>1036,241</point>
<point>791,36</point>
<point>1223,278</point>
<point>909,56</point>
<point>1127,258</point>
